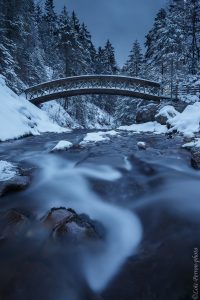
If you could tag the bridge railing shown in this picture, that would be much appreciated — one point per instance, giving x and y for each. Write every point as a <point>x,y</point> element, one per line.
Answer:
<point>186,90</point>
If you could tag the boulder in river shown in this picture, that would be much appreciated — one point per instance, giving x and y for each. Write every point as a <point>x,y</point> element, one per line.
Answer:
<point>18,180</point>
<point>142,145</point>
<point>165,114</point>
<point>146,113</point>
<point>66,224</point>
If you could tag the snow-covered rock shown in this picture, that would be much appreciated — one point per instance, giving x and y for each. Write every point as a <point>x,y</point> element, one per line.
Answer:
<point>166,113</point>
<point>187,122</point>
<point>7,170</point>
<point>62,145</point>
<point>142,145</point>
<point>18,117</point>
<point>153,127</point>
<point>101,136</point>
<point>94,137</point>
<point>195,143</point>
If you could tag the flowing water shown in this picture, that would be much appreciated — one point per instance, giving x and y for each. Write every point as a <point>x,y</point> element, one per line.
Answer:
<point>145,202</point>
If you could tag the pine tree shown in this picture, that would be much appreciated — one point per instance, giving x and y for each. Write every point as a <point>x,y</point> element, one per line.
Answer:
<point>192,9</point>
<point>154,43</point>
<point>50,17</point>
<point>65,42</point>
<point>134,64</point>
<point>110,65</point>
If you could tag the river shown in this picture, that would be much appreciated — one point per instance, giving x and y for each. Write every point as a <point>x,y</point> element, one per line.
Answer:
<point>143,204</point>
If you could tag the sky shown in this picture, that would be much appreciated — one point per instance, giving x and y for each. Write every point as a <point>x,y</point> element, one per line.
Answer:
<point>121,21</point>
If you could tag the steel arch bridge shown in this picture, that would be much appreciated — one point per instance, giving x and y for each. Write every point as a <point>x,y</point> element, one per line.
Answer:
<point>94,84</point>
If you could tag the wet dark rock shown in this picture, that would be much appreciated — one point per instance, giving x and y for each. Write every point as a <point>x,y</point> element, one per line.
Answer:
<point>19,182</point>
<point>161,119</point>
<point>67,224</point>
<point>146,113</point>
<point>195,159</point>
<point>187,140</point>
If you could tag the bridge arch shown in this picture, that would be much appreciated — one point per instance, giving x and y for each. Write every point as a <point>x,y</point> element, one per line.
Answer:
<point>94,84</point>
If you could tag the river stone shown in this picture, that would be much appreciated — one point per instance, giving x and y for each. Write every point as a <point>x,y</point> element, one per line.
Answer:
<point>67,224</point>
<point>195,159</point>
<point>19,182</point>
<point>146,113</point>
<point>161,119</point>
<point>142,145</point>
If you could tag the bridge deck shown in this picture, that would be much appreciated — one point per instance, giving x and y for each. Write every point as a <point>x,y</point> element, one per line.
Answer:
<point>94,84</point>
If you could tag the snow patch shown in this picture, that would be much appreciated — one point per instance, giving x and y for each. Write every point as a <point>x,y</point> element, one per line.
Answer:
<point>7,170</point>
<point>62,145</point>
<point>95,137</point>
<point>153,127</point>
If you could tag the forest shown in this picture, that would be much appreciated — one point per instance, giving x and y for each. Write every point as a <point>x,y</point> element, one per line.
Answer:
<point>38,44</point>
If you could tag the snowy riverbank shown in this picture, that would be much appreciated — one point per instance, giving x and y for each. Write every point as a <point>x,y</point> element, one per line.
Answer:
<point>19,118</point>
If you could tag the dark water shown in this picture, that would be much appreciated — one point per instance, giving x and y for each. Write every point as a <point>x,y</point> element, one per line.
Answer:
<point>147,202</point>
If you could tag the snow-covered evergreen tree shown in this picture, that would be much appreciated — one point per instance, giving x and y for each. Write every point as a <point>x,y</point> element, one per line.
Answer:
<point>135,62</point>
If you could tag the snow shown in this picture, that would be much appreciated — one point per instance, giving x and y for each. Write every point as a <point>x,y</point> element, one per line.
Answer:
<point>189,98</point>
<point>195,143</point>
<point>168,111</point>
<point>94,117</point>
<point>58,115</point>
<point>153,127</point>
<point>7,170</point>
<point>95,137</point>
<point>62,145</point>
<point>187,122</point>
<point>18,117</point>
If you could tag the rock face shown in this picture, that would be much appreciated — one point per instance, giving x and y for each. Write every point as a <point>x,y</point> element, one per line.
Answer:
<point>146,113</point>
